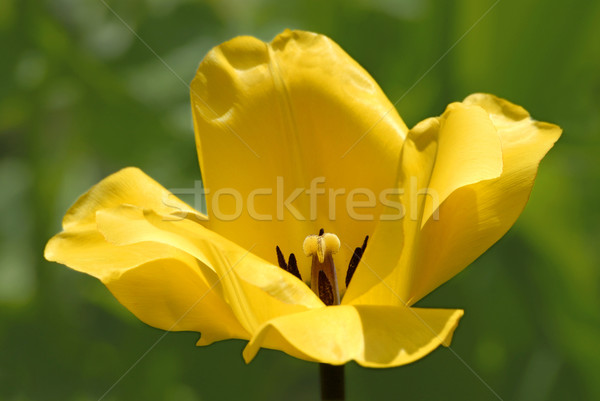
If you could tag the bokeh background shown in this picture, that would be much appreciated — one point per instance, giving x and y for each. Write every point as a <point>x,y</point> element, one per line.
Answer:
<point>82,95</point>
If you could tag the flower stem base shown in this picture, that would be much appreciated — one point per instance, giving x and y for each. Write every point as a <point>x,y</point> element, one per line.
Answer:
<point>332,382</point>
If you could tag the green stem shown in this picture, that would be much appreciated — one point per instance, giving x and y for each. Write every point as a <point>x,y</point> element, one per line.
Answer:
<point>332,382</point>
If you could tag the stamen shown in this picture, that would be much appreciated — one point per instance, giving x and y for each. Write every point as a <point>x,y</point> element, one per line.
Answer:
<point>356,256</point>
<point>291,266</point>
<point>280,258</point>
<point>323,280</point>
<point>325,289</point>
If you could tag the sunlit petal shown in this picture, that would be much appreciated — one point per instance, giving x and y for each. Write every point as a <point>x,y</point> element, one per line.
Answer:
<point>460,148</point>
<point>256,290</point>
<point>129,186</point>
<point>473,218</point>
<point>298,108</point>
<point>162,285</point>
<point>116,238</point>
<point>427,251</point>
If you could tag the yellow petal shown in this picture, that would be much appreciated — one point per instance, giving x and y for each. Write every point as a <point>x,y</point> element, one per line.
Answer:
<point>163,286</point>
<point>172,295</point>
<point>114,210</point>
<point>373,336</point>
<point>83,248</point>
<point>471,218</point>
<point>256,290</point>
<point>440,155</point>
<point>468,151</point>
<point>298,108</point>
<point>128,186</point>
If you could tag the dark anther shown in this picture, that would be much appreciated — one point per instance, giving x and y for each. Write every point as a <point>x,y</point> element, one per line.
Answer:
<point>291,266</point>
<point>325,289</point>
<point>356,256</point>
<point>321,232</point>
<point>281,259</point>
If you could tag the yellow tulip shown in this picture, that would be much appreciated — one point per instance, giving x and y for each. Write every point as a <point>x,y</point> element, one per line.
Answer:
<point>294,136</point>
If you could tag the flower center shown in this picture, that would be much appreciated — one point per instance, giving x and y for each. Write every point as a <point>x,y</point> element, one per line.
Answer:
<point>323,281</point>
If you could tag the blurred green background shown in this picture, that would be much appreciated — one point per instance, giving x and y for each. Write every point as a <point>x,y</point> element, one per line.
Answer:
<point>81,97</point>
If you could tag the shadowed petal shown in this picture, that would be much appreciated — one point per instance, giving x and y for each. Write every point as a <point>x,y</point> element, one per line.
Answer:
<point>373,336</point>
<point>162,286</point>
<point>171,295</point>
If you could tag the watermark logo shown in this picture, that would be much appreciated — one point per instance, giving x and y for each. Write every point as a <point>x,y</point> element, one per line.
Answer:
<point>280,202</point>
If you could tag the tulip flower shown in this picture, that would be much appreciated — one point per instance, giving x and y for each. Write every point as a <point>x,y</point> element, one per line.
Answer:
<point>327,219</point>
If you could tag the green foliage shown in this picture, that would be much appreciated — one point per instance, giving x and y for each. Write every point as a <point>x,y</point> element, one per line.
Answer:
<point>82,95</point>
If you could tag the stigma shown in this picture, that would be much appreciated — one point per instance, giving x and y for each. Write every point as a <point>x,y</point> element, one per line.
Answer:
<point>321,245</point>
<point>323,280</point>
